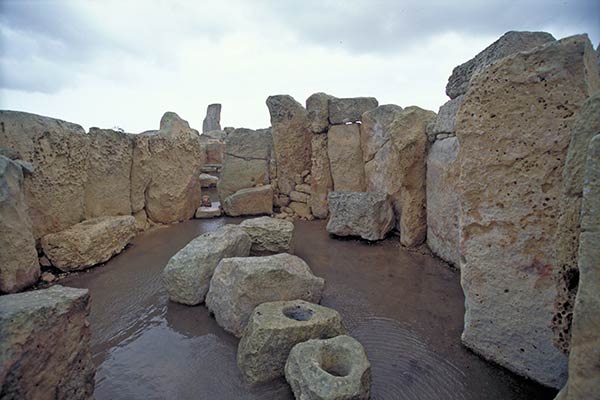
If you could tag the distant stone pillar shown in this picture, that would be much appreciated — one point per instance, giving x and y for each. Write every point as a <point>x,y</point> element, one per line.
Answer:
<point>212,121</point>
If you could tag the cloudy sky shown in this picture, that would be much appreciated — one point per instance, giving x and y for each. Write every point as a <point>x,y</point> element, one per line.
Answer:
<point>124,63</point>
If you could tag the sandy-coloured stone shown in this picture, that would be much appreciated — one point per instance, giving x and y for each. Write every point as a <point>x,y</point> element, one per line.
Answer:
<point>19,265</point>
<point>188,273</point>
<point>58,150</point>
<point>173,126</point>
<point>514,128</point>
<point>252,201</point>
<point>303,188</point>
<point>108,185</point>
<point>509,43</point>
<point>375,129</point>
<point>207,181</point>
<point>291,139</point>
<point>208,212</point>
<point>365,214</point>
<point>300,209</point>
<point>141,220</point>
<point>274,328</point>
<point>45,342</point>
<point>214,150</point>
<point>270,235</point>
<point>299,196</point>
<point>89,243</point>
<point>321,182</point>
<point>241,283</point>
<point>317,106</point>
<point>329,369</point>
<point>443,203</point>
<point>345,158</point>
<point>445,119</point>
<point>212,121</point>
<point>346,110</point>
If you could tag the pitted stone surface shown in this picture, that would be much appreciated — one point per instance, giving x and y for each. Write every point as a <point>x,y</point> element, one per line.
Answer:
<point>346,110</point>
<point>270,235</point>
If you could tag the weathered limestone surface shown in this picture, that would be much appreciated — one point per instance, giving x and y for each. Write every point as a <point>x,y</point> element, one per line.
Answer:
<point>173,126</point>
<point>19,265</point>
<point>214,150</point>
<point>365,214</point>
<point>58,150</point>
<point>346,110</point>
<point>443,203</point>
<point>270,235</point>
<point>321,182</point>
<point>446,118</point>
<point>509,43</point>
<point>274,328</point>
<point>45,345</point>
<point>207,181</point>
<point>291,139</point>
<point>584,370</point>
<point>89,243</point>
<point>317,106</point>
<point>511,181</point>
<point>241,283</point>
<point>108,185</point>
<point>212,121</point>
<point>329,369</point>
<point>345,158</point>
<point>208,212</point>
<point>375,129</point>
<point>252,201</point>
<point>188,273</point>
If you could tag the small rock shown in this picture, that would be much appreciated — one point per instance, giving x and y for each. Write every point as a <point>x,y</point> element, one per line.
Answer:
<point>208,212</point>
<point>299,196</point>
<point>301,209</point>
<point>269,235</point>
<point>47,277</point>
<point>44,262</point>
<point>207,181</point>
<point>304,188</point>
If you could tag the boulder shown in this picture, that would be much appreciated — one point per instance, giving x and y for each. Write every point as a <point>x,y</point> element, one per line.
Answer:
<point>173,126</point>
<point>511,180</point>
<point>300,209</point>
<point>299,196</point>
<point>346,110</point>
<point>208,181</point>
<point>345,158</point>
<point>321,182</point>
<point>214,150</point>
<point>274,328</point>
<point>445,119</point>
<point>188,273</point>
<point>317,106</point>
<point>239,284</point>
<point>291,139</point>
<point>59,152</point>
<point>208,212</point>
<point>329,369</point>
<point>212,121</point>
<point>45,342</point>
<point>443,203</point>
<point>365,214</point>
<point>509,43</point>
<point>270,235</point>
<point>89,243</point>
<point>251,201</point>
<point>108,186</point>
<point>19,266</point>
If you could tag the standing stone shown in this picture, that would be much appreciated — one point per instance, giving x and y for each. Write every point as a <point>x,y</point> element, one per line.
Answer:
<point>291,139</point>
<point>212,121</point>
<point>375,129</point>
<point>45,345</point>
<point>443,203</point>
<point>317,106</point>
<point>251,201</point>
<point>321,182</point>
<point>446,118</point>
<point>173,126</point>
<point>345,158</point>
<point>509,43</point>
<point>108,185</point>
<point>514,130</point>
<point>19,266</point>
<point>59,152</point>
<point>342,111</point>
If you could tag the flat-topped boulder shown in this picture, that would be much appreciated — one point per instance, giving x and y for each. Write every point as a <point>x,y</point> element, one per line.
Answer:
<point>274,328</point>
<point>45,345</point>
<point>251,201</point>
<point>89,243</point>
<point>208,212</point>
<point>239,284</point>
<point>270,235</point>
<point>365,214</point>
<point>188,273</point>
<point>208,181</point>
<point>346,110</point>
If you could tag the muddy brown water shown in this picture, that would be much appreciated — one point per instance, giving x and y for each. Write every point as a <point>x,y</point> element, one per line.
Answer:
<point>406,308</point>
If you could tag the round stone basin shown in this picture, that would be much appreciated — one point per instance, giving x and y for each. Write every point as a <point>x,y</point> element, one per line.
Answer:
<point>298,313</point>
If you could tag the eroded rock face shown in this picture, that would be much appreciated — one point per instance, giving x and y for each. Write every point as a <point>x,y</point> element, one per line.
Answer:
<point>291,139</point>
<point>375,129</point>
<point>212,121</point>
<point>345,158</point>
<point>445,119</point>
<point>321,182</point>
<point>329,369</point>
<point>45,345</point>
<point>188,273</point>
<point>317,106</point>
<point>173,126</point>
<point>274,328</point>
<point>89,243</point>
<point>59,151</point>
<point>511,180</point>
<point>443,203</point>
<point>252,201</point>
<point>241,283</point>
<point>367,214</point>
<point>270,235</point>
<point>346,110</point>
<point>509,43</point>
<point>19,266</point>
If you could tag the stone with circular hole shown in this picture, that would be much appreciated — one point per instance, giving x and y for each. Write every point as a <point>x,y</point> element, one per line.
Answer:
<point>274,328</point>
<point>330,369</point>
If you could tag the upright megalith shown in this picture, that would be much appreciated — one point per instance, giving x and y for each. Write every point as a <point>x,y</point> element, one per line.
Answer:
<point>321,182</point>
<point>342,111</point>
<point>212,121</point>
<point>514,129</point>
<point>19,265</point>
<point>345,158</point>
<point>317,106</point>
<point>291,140</point>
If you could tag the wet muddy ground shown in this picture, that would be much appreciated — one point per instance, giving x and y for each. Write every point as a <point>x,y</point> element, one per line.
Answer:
<point>406,308</point>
